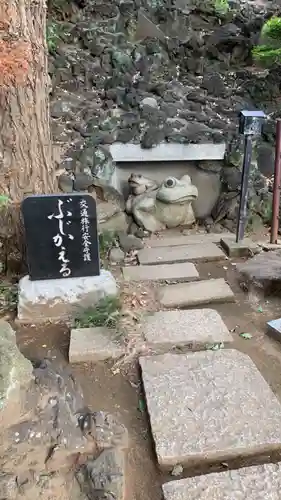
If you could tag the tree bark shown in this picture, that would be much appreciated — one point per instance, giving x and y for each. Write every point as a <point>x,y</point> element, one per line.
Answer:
<point>25,143</point>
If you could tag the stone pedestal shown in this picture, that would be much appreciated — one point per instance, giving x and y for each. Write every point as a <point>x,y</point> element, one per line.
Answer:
<point>61,299</point>
<point>244,248</point>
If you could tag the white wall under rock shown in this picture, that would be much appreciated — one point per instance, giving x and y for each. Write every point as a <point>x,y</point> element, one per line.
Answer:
<point>202,162</point>
<point>167,152</point>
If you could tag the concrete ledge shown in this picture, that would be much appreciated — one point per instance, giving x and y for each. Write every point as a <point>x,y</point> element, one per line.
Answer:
<point>274,329</point>
<point>167,152</point>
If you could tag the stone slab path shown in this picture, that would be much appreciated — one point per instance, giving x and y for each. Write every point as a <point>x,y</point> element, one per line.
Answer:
<point>262,482</point>
<point>185,295</point>
<point>208,406</point>
<point>185,253</point>
<point>93,344</point>
<point>163,272</point>
<point>192,239</point>
<point>195,327</point>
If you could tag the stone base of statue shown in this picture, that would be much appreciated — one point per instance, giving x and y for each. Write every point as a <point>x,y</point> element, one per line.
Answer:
<point>62,299</point>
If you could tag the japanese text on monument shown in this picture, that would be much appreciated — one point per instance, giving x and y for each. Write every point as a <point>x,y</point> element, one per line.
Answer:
<point>62,236</point>
<point>85,226</point>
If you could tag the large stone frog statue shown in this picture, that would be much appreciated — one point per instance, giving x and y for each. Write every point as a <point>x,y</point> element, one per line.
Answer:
<point>155,207</point>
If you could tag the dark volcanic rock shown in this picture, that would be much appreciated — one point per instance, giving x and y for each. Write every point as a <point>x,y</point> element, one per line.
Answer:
<point>147,72</point>
<point>65,450</point>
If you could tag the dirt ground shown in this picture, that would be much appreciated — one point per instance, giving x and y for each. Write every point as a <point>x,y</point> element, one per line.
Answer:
<point>119,390</point>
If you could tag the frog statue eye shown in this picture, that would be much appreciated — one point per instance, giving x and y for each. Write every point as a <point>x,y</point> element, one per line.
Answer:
<point>170,182</point>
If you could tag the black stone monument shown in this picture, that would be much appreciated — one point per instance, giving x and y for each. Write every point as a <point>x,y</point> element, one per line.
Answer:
<point>61,236</point>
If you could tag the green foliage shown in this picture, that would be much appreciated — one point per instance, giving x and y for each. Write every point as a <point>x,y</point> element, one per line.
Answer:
<point>106,313</point>
<point>272,29</point>
<point>221,7</point>
<point>52,35</point>
<point>265,55</point>
<point>4,200</point>
<point>107,240</point>
<point>269,53</point>
<point>8,297</point>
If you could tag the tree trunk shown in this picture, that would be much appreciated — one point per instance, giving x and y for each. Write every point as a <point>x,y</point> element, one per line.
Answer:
<point>25,144</point>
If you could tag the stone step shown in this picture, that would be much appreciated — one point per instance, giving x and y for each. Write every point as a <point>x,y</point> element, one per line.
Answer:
<point>192,239</point>
<point>165,272</point>
<point>208,406</point>
<point>251,483</point>
<point>183,295</point>
<point>186,253</point>
<point>195,328</point>
<point>93,345</point>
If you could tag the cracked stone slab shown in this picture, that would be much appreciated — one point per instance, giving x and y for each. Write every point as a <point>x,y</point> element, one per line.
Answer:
<point>197,293</point>
<point>208,406</point>
<point>262,482</point>
<point>186,253</point>
<point>165,272</point>
<point>195,327</point>
<point>93,344</point>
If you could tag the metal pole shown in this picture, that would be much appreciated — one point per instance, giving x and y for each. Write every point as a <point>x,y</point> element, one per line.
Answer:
<point>242,217</point>
<point>276,186</point>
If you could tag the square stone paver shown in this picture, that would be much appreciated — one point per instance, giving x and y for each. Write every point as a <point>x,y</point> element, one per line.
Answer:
<point>93,344</point>
<point>187,253</point>
<point>165,272</point>
<point>262,482</point>
<point>196,327</point>
<point>198,293</point>
<point>209,406</point>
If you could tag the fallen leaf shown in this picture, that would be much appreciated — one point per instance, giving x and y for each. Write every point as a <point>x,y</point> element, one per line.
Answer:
<point>215,347</point>
<point>246,336</point>
<point>177,470</point>
<point>141,405</point>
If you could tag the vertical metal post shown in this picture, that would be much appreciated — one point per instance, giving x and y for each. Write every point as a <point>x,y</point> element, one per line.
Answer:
<point>276,186</point>
<point>242,217</point>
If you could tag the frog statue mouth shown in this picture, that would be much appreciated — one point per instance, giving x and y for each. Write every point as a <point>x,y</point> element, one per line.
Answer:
<point>177,191</point>
<point>139,184</point>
